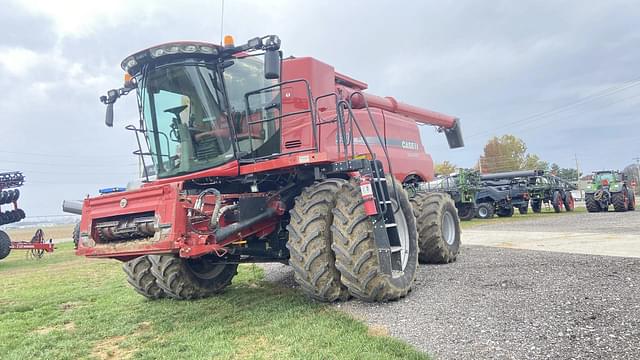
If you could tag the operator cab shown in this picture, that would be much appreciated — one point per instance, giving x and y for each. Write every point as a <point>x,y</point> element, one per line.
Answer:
<point>192,103</point>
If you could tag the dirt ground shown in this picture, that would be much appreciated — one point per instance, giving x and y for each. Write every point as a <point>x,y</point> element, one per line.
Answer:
<point>501,300</point>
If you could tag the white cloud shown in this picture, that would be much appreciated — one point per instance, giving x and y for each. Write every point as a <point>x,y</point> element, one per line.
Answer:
<point>80,18</point>
<point>18,61</point>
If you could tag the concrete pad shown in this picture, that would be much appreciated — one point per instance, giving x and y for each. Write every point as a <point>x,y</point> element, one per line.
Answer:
<point>627,245</point>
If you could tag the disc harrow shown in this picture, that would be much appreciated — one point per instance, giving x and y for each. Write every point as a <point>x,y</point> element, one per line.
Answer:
<point>9,195</point>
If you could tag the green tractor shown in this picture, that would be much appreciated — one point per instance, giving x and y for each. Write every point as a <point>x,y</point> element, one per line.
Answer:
<point>609,187</point>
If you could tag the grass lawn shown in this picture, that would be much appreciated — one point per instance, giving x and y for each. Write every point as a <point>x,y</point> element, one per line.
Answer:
<point>67,307</point>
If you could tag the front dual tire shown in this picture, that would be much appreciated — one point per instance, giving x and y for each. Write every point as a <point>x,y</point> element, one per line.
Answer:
<point>159,276</point>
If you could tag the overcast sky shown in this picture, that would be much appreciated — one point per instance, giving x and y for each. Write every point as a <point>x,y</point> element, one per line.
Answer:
<point>495,65</point>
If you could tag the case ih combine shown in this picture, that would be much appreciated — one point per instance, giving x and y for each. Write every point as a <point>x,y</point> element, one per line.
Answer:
<point>9,195</point>
<point>259,159</point>
<point>609,188</point>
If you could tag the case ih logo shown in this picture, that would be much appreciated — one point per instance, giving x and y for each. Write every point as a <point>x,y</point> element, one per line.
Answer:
<point>372,140</point>
<point>123,203</point>
<point>410,145</point>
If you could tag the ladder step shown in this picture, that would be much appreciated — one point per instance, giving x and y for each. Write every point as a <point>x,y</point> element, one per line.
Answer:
<point>396,248</point>
<point>380,179</point>
<point>390,225</point>
<point>385,201</point>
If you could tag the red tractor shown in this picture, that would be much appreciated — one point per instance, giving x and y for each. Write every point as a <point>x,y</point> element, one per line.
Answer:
<point>255,158</point>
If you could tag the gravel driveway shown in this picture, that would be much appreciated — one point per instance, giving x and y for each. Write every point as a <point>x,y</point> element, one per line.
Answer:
<point>513,304</point>
<point>604,222</point>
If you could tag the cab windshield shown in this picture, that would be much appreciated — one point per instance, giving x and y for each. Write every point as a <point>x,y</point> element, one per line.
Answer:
<point>186,119</point>
<point>604,176</point>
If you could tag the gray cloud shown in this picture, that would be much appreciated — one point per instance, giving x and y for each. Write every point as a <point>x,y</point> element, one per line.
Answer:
<point>489,65</point>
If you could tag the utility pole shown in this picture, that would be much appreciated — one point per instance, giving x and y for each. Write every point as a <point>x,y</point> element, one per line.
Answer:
<point>637,159</point>
<point>575,156</point>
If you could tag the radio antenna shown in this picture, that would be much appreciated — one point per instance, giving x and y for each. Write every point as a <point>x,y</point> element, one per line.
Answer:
<point>222,22</point>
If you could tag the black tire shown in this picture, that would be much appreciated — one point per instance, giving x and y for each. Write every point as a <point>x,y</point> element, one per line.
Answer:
<point>3,197</point>
<point>466,212</point>
<point>429,210</point>
<point>557,201</point>
<point>569,203</point>
<point>591,203</point>
<point>5,245</point>
<point>16,195</point>
<point>485,211</point>
<point>76,235</point>
<point>632,201</point>
<point>140,277</point>
<point>356,252</point>
<point>524,209</point>
<point>508,212</point>
<point>536,206</point>
<point>619,202</point>
<point>180,280</point>
<point>310,240</point>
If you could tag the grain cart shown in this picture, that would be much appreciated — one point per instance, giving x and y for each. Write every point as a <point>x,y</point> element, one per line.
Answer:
<point>9,195</point>
<point>609,188</point>
<point>461,186</point>
<point>260,159</point>
<point>551,190</point>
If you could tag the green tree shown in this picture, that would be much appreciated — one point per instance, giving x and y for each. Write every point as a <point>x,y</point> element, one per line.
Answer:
<point>508,153</point>
<point>568,174</point>
<point>555,169</point>
<point>445,168</point>
<point>533,162</point>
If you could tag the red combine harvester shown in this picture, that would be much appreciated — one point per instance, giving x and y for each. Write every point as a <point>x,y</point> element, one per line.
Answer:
<point>262,159</point>
<point>9,194</point>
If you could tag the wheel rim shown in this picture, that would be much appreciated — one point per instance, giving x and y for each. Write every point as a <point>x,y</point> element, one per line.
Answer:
<point>403,235</point>
<point>204,269</point>
<point>483,212</point>
<point>448,228</point>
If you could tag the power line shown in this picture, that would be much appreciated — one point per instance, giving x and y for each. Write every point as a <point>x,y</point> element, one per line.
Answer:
<point>603,93</point>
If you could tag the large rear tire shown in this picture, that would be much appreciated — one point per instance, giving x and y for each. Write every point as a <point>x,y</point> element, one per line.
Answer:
<point>356,251</point>
<point>466,211</point>
<point>619,201</point>
<point>5,245</point>
<point>632,201</point>
<point>438,228</point>
<point>140,277</point>
<point>591,203</point>
<point>310,240</point>
<point>485,211</point>
<point>186,279</point>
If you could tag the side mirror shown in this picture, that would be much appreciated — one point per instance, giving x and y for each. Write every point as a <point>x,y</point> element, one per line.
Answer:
<point>108,119</point>
<point>272,64</point>
<point>109,99</point>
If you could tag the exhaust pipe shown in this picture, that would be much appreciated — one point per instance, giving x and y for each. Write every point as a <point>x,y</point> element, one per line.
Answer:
<point>72,206</point>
